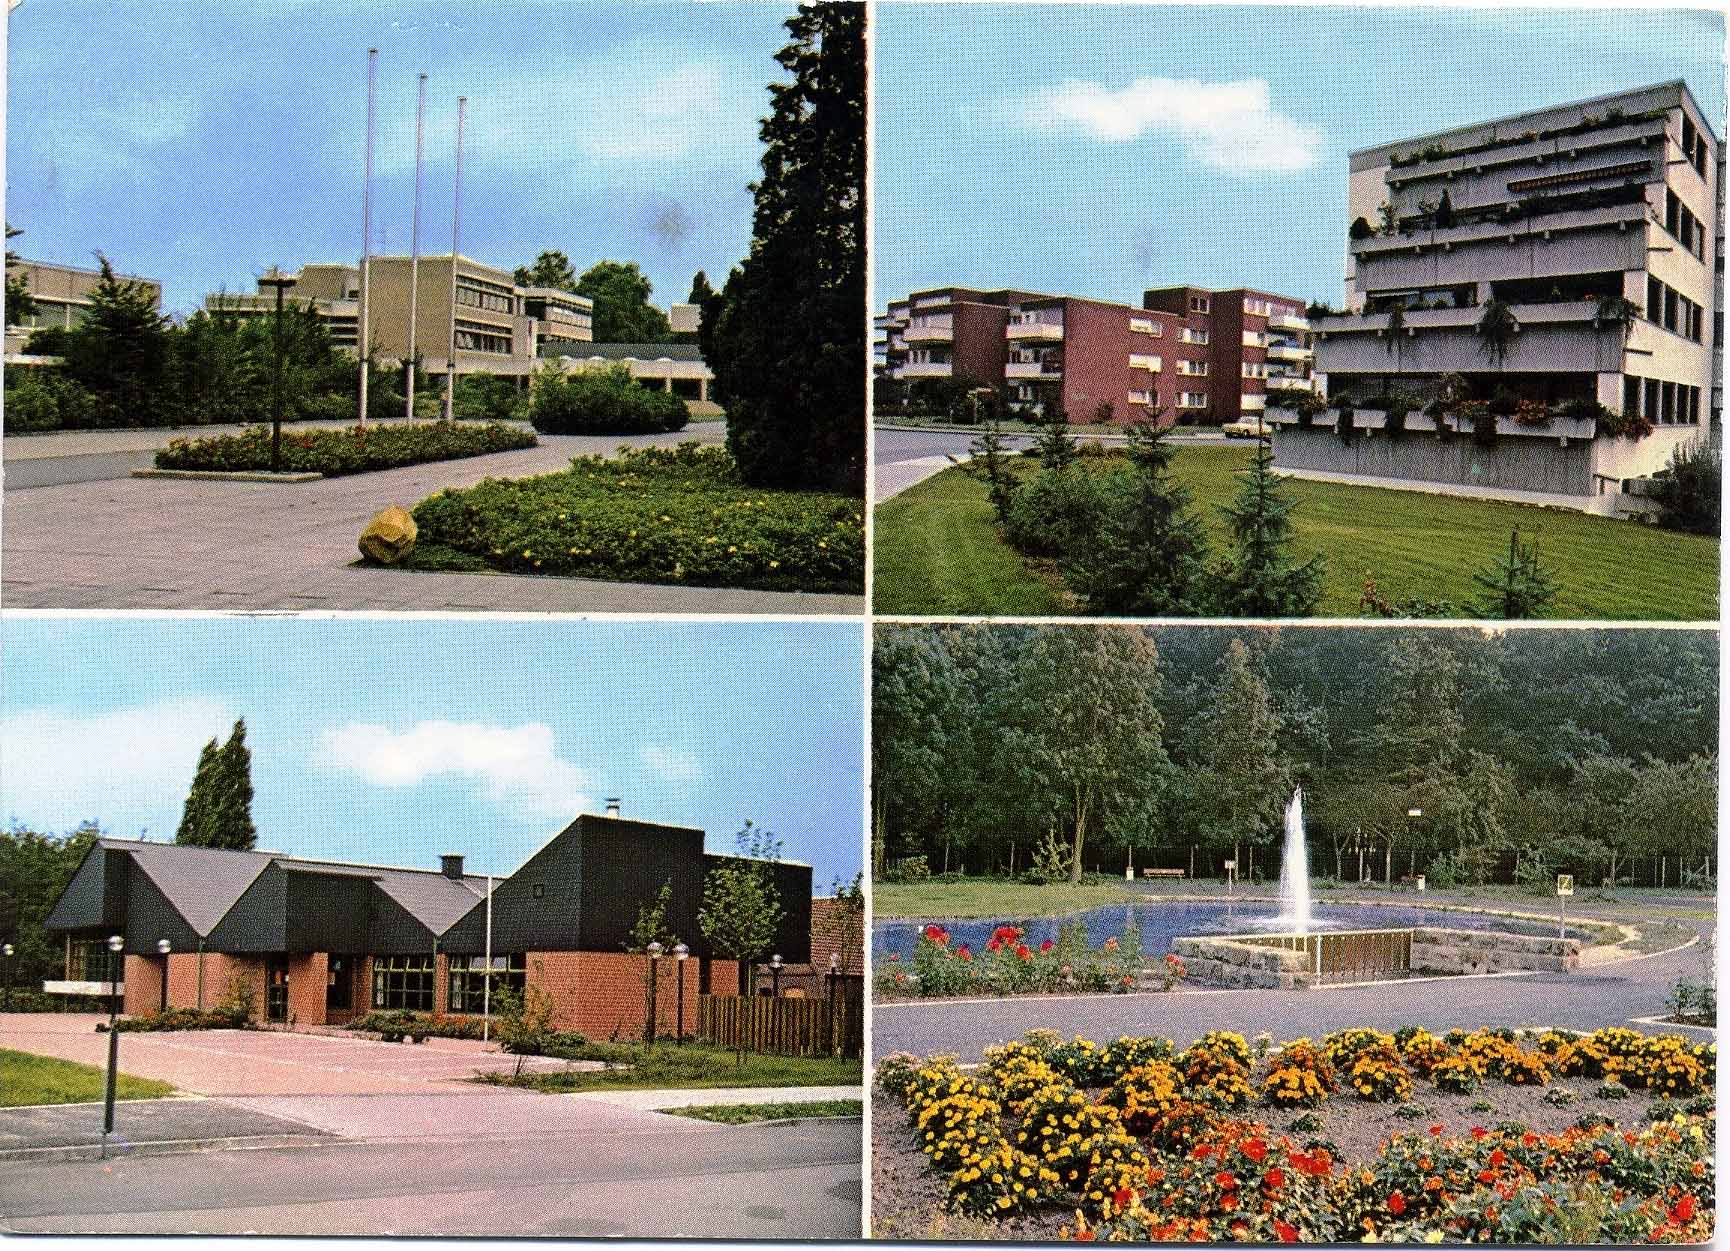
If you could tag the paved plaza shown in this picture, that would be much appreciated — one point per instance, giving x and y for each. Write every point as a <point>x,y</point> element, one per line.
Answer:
<point>124,543</point>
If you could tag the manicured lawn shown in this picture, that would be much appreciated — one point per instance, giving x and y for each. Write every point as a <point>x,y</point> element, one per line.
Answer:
<point>746,1113</point>
<point>937,550</point>
<point>991,897</point>
<point>30,1080</point>
<point>650,515</point>
<point>668,1066</point>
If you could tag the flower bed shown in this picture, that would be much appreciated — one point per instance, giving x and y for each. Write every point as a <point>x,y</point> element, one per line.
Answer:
<point>357,449</point>
<point>395,1026</point>
<point>649,515</point>
<point>174,1020</point>
<point>1008,965</point>
<point>1135,1140</point>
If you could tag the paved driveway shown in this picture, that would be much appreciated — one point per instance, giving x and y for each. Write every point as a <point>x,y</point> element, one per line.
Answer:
<point>164,543</point>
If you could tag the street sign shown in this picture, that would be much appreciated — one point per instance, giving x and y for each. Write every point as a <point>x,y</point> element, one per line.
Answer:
<point>1564,884</point>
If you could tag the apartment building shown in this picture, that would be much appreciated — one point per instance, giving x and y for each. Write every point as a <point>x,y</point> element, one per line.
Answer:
<point>1593,226</point>
<point>62,296</point>
<point>500,327</point>
<point>313,942</point>
<point>1194,355</point>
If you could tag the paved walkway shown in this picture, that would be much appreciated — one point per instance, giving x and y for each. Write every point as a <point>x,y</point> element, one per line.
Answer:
<point>156,543</point>
<point>654,1100</point>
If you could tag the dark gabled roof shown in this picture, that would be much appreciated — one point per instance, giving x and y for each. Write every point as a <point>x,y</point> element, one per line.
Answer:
<point>203,883</point>
<point>626,351</point>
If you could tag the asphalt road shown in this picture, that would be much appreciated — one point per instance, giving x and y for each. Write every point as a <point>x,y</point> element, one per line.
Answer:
<point>907,457</point>
<point>1608,995</point>
<point>690,1180</point>
<point>45,471</point>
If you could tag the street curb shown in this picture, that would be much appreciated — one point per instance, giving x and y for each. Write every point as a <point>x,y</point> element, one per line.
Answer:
<point>228,475</point>
<point>169,1146</point>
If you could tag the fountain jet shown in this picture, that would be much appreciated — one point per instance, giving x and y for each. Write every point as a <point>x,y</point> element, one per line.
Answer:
<point>1294,876</point>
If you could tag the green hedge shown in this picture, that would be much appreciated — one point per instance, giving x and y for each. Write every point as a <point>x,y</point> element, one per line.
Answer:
<point>395,1025</point>
<point>602,401</point>
<point>176,1019</point>
<point>354,450</point>
<point>649,515</point>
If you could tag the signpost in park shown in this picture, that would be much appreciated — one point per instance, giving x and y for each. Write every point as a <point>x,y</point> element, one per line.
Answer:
<point>1230,876</point>
<point>1564,888</point>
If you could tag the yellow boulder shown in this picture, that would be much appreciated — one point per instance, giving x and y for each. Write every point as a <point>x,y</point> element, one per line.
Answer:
<point>389,537</point>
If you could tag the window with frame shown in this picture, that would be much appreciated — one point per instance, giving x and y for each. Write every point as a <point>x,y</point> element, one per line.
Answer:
<point>1198,304</point>
<point>468,977</point>
<point>402,983</point>
<point>89,960</point>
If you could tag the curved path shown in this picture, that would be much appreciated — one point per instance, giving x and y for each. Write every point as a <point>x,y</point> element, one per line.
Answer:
<point>1613,994</point>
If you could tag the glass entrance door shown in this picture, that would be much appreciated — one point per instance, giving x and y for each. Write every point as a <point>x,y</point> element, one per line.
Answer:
<point>339,984</point>
<point>276,988</point>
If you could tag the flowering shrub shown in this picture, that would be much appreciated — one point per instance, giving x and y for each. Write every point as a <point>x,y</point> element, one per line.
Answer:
<point>1001,1180</point>
<point>1145,1094</point>
<point>1172,970</point>
<point>956,1125</point>
<point>1378,1075</point>
<point>1083,1142</point>
<point>649,515</point>
<point>895,1073</point>
<point>1020,1078</point>
<point>1458,1074</point>
<point>1129,1052</point>
<point>1215,1077</point>
<point>1421,1050</point>
<point>357,449</point>
<point>1342,1047</point>
<point>1007,963</point>
<point>1082,1061</point>
<point>1225,1043</point>
<point>1300,1076</point>
<point>1667,1066</point>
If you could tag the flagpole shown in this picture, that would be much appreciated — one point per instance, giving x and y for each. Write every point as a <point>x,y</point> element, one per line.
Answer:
<point>487,980</point>
<point>414,261</point>
<point>365,342</point>
<point>456,241</point>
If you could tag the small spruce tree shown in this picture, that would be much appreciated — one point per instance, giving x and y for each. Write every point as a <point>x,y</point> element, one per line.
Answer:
<point>1515,586</point>
<point>991,464</point>
<point>1260,577</point>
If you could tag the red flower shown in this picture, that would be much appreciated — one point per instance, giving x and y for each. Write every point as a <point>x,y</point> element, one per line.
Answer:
<point>894,957</point>
<point>1396,1203</point>
<point>1239,1229</point>
<point>1528,1139</point>
<point>1155,1175</point>
<point>1486,1176</point>
<point>1275,1178</point>
<point>1479,1132</point>
<point>1046,945</point>
<point>937,934</point>
<point>1285,1232</point>
<point>1202,1151</point>
<point>993,944</point>
<point>1084,1235</point>
<point>1683,1212</point>
<point>1122,1196</point>
<point>964,953</point>
<point>1022,952</point>
<point>1255,1149</point>
<point>1498,1157</point>
<point>1225,1178</point>
<point>1435,1131</point>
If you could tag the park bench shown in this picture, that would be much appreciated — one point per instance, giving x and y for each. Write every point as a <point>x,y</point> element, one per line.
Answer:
<point>1162,873</point>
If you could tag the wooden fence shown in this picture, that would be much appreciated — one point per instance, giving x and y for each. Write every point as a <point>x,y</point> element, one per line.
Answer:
<point>1346,955</point>
<point>780,1026</point>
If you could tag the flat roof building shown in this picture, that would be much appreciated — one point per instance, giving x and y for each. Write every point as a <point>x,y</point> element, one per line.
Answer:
<point>320,941</point>
<point>1194,355</point>
<point>1591,233</point>
<point>62,297</point>
<point>675,367</point>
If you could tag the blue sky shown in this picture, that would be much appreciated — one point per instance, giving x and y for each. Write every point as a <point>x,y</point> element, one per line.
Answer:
<point>394,741</point>
<point>1100,151</point>
<point>201,145</point>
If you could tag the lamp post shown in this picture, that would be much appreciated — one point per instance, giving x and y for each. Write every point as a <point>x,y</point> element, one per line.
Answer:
<point>1413,815</point>
<point>834,981</point>
<point>775,975</point>
<point>681,953</point>
<point>163,947</point>
<point>655,950</point>
<point>8,950</point>
<point>116,944</point>
<point>280,282</point>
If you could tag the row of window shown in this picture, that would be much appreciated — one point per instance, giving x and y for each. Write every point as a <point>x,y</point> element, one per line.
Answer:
<point>1191,335</point>
<point>1669,308</point>
<point>1694,146</point>
<point>1680,221</point>
<point>472,337</point>
<point>476,297</point>
<point>1661,403</point>
<point>405,983</point>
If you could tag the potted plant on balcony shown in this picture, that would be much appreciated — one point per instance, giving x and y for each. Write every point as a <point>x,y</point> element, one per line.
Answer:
<point>1615,310</point>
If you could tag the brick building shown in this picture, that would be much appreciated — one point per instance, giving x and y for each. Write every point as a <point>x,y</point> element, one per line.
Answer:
<point>1196,356</point>
<point>314,942</point>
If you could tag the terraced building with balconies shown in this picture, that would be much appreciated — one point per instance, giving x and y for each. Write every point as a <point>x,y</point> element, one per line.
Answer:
<point>1545,286</point>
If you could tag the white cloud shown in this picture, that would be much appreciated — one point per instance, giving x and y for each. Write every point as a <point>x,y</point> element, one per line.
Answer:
<point>671,766</point>
<point>128,769</point>
<point>516,767</point>
<point>1231,126</point>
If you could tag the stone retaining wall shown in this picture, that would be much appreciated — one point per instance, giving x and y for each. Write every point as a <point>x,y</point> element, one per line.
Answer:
<point>1230,963</point>
<point>1488,951</point>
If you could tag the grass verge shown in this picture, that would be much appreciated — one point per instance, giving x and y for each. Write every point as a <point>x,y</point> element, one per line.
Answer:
<point>28,1080</point>
<point>938,553</point>
<point>347,451</point>
<point>649,515</point>
<point>667,1066</point>
<point>746,1113</point>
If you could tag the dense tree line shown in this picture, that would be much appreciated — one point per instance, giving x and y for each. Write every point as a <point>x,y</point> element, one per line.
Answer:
<point>989,742</point>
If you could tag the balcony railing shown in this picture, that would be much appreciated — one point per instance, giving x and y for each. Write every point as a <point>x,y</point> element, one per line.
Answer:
<point>1289,352</point>
<point>1550,218</point>
<point>927,369</point>
<point>1033,370</point>
<point>1051,331</point>
<point>928,334</point>
<point>1456,318</point>
<point>1288,321</point>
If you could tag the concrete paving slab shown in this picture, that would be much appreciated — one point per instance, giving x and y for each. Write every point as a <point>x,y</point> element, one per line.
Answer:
<point>74,1130</point>
<point>654,1100</point>
<point>478,1112</point>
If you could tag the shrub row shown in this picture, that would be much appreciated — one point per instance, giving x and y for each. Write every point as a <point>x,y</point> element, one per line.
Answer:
<point>649,515</point>
<point>174,1020</point>
<point>1162,1154</point>
<point>601,401</point>
<point>1009,965</point>
<point>354,450</point>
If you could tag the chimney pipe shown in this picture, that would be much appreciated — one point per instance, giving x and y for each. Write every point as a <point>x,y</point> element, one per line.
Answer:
<point>452,867</point>
<point>613,807</point>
